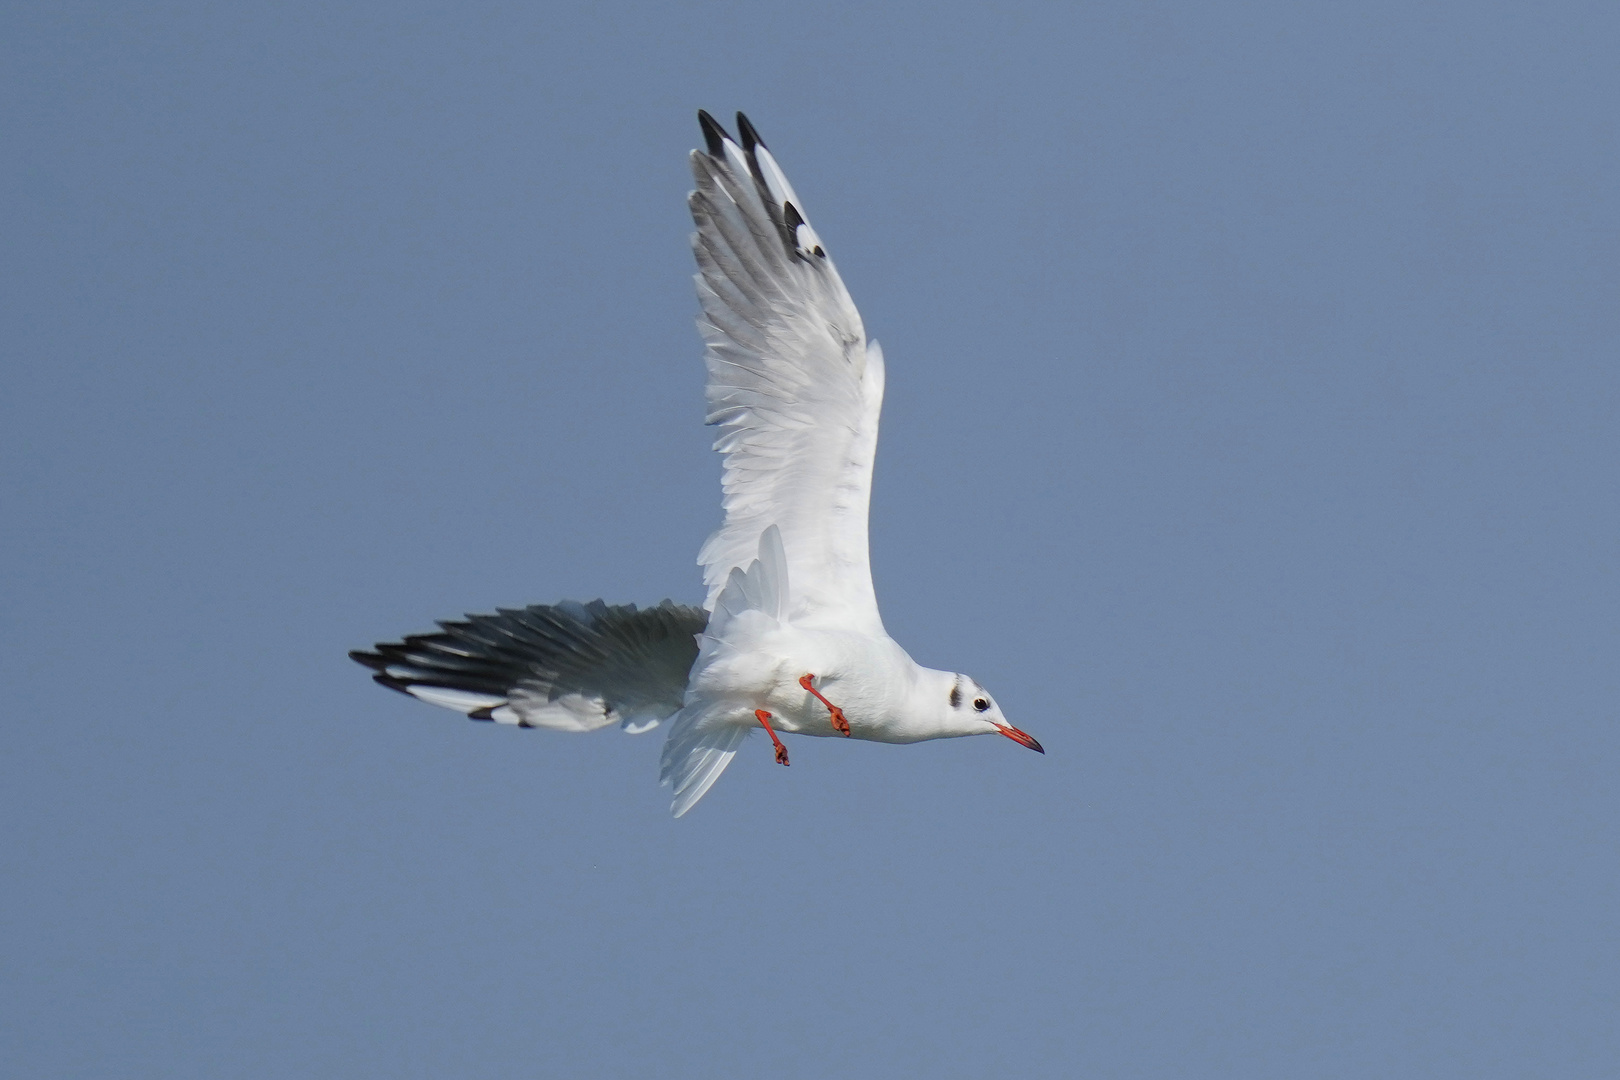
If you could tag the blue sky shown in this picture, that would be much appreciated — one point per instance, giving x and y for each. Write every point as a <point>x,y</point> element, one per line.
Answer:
<point>1251,433</point>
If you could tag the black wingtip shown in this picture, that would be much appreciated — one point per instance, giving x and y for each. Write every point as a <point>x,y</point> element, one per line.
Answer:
<point>750,137</point>
<point>369,659</point>
<point>713,134</point>
<point>393,682</point>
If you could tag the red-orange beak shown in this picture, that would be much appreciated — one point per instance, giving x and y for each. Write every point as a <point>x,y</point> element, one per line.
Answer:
<point>1018,737</point>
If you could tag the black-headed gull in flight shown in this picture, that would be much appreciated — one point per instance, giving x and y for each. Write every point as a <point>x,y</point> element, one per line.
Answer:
<point>789,639</point>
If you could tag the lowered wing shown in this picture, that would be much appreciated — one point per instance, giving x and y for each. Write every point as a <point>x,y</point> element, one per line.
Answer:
<point>568,666</point>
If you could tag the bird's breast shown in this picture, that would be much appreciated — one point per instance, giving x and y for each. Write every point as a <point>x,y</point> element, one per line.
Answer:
<point>863,677</point>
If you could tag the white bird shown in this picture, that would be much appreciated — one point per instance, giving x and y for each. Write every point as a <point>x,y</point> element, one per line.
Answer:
<point>789,638</point>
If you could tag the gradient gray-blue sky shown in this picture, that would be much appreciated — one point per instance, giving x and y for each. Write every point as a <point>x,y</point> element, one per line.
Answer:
<point>1251,433</point>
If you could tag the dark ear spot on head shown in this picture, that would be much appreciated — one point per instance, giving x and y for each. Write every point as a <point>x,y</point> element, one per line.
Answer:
<point>956,692</point>
<point>982,704</point>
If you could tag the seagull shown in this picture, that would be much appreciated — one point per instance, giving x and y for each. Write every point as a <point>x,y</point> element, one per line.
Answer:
<point>789,639</point>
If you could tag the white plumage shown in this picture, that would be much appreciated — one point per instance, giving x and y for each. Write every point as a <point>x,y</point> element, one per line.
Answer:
<point>789,638</point>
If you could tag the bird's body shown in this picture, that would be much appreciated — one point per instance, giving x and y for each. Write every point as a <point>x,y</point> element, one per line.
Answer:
<point>789,638</point>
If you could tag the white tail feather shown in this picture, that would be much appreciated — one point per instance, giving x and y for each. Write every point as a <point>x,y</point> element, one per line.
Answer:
<point>704,737</point>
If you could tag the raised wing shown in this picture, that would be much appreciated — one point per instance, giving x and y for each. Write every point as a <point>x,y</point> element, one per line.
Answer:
<point>569,666</point>
<point>793,385</point>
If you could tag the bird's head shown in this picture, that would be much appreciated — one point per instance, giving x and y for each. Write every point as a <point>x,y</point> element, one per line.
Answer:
<point>970,710</point>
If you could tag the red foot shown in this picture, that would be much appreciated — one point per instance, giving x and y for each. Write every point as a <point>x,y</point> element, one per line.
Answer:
<point>839,724</point>
<point>764,719</point>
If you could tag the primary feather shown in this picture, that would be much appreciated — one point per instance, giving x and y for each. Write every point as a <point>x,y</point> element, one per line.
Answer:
<point>569,666</point>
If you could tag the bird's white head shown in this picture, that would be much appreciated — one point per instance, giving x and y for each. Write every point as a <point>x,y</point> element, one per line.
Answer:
<point>961,706</point>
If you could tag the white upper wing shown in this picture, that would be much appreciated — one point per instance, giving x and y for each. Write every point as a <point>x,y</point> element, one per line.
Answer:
<point>793,385</point>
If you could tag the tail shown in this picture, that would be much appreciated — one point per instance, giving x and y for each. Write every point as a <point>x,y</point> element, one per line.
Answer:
<point>705,735</point>
<point>569,667</point>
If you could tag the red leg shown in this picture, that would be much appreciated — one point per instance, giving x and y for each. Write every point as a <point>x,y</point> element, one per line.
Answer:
<point>839,724</point>
<point>764,719</point>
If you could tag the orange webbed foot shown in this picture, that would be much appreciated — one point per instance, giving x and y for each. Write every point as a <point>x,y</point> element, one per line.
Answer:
<point>839,724</point>
<point>764,719</point>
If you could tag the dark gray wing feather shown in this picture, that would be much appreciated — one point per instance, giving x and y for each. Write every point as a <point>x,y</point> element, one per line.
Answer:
<point>567,666</point>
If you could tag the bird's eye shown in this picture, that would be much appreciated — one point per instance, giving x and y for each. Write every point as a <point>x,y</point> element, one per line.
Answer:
<point>981,704</point>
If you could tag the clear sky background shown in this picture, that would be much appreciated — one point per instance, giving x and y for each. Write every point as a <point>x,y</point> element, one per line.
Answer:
<point>1252,433</point>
